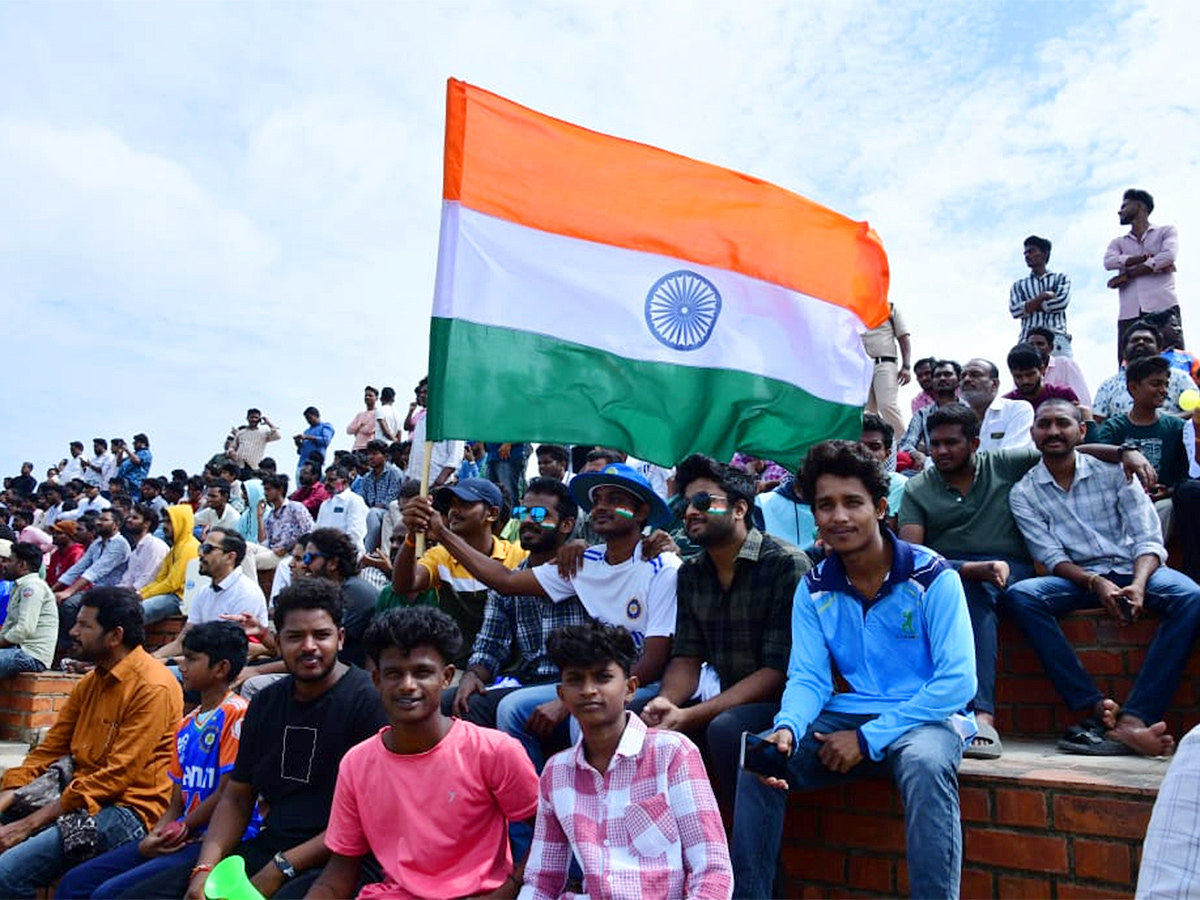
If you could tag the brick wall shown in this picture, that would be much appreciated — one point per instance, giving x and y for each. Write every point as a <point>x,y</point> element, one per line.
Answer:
<point>1021,839</point>
<point>162,632</point>
<point>29,704</point>
<point>1028,704</point>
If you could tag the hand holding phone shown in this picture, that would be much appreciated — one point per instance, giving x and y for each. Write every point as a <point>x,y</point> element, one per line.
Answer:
<point>765,757</point>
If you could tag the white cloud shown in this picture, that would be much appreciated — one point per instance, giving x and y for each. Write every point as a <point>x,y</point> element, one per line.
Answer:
<point>212,206</point>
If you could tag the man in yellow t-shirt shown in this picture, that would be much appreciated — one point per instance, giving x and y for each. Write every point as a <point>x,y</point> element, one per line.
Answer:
<point>471,508</point>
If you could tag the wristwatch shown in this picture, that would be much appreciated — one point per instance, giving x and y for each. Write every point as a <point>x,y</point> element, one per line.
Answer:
<point>1126,447</point>
<point>288,870</point>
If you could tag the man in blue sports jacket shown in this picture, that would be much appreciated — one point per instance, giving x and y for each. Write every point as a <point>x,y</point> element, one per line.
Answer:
<point>893,618</point>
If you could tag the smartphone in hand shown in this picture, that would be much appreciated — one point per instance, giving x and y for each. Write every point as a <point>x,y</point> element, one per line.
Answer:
<point>762,757</point>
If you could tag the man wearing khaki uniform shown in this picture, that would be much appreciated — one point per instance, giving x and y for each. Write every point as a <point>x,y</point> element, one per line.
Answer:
<point>880,343</point>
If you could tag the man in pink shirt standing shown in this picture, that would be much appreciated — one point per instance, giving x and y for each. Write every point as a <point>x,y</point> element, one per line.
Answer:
<point>1144,260</point>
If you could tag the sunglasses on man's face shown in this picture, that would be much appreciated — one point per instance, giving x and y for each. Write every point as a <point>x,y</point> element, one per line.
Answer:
<point>702,501</point>
<point>209,548</point>
<point>537,513</point>
<point>307,558</point>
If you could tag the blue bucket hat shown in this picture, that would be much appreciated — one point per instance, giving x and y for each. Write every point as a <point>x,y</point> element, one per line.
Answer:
<point>626,478</point>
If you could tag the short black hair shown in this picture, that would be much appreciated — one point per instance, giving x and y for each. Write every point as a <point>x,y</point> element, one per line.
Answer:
<point>592,644</point>
<point>149,514</point>
<point>232,542</point>
<point>254,411</point>
<point>117,515</point>
<point>266,464</point>
<point>1141,369</point>
<point>78,444</point>
<point>410,488</point>
<point>845,459</point>
<point>278,480</point>
<point>220,485</point>
<point>118,607</point>
<point>387,395</point>
<point>1141,325</point>
<point>28,553</point>
<point>875,422</point>
<point>372,389</point>
<point>376,446</point>
<point>409,627</point>
<point>556,452</point>
<point>552,487</point>
<point>220,641</point>
<point>335,544</point>
<point>951,363</point>
<point>1024,357</point>
<point>1040,242</point>
<point>230,467</point>
<point>1042,332</point>
<point>954,414</point>
<point>309,593</point>
<point>610,456</point>
<point>737,485</point>
<point>312,411</point>
<point>141,438</point>
<point>930,361</point>
<point>1142,197</point>
<point>1064,403</point>
<point>101,441</point>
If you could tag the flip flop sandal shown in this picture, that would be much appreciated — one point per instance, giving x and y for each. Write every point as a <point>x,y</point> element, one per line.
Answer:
<point>991,749</point>
<point>1089,743</point>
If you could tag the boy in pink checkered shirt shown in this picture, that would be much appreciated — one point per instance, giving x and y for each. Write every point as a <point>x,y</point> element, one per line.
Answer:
<point>633,804</point>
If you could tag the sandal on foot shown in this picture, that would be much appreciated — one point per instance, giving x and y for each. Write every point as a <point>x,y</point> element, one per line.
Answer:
<point>1091,743</point>
<point>990,748</point>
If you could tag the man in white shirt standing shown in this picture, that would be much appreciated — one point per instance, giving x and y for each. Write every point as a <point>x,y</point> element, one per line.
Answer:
<point>1003,424</point>
<point>446,455</point>
<point>103,467</point>
<point>387,420</point>
<point>228,593</point>
<point>344,510</point>
<point>76,466</point>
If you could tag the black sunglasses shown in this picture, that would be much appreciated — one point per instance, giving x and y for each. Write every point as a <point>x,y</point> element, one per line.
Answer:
<point>702,501</point>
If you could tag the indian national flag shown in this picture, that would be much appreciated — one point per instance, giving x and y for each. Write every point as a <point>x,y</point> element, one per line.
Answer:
<point>595,290</point>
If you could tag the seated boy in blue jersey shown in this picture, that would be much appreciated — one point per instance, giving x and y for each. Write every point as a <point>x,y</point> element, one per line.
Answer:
<point>205,748</point>
<point>893,618</point>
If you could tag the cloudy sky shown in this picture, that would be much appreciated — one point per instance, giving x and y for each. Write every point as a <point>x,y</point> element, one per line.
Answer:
<point>209,206</point>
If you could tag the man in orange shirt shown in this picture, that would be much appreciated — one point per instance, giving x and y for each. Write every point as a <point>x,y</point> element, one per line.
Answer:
<point>118,726</point>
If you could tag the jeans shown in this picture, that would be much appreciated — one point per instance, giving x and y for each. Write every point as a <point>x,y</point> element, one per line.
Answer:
<point>171,883</point>
<point>722,743</point>
<point>1038,602</point>
<point>39,860</point>
<point>923,763</point>
<point>515,709</point>
<point>374,528</point>
<point>983,604</point>
<point>507,472</point>
<point>14,660</point>
<point>119,871</point>
<point>159,607</point>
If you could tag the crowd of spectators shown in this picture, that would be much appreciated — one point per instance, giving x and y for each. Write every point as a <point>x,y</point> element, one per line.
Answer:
<point>552,696</point>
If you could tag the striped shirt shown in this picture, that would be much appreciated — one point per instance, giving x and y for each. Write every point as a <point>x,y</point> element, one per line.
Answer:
<point>648,827</point>
<point>1084,525</point>
<point>1053,314</point>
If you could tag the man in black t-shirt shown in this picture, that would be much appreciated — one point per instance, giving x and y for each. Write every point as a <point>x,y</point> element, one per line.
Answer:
<point>293,737</point>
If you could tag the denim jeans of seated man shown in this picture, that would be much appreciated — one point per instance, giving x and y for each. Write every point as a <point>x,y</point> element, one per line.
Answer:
<point>39,860</point>
<point>923,763</point>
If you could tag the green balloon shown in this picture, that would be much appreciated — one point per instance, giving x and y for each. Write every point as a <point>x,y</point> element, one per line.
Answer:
<point>228,881</point>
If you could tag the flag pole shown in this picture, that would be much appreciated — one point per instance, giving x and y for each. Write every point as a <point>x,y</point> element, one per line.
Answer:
<point>419,540</point>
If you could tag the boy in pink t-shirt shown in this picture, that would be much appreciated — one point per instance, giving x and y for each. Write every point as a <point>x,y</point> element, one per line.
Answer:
<point>431,797</point>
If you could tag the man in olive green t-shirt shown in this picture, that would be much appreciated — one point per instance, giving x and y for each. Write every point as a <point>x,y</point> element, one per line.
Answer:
<point>30,629</point>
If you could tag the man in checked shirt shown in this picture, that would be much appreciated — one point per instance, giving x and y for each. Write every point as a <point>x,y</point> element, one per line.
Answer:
<point>633,804</point>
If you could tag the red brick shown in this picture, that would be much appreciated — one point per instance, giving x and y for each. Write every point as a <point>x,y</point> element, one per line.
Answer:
<point>1102,662</point>
<point>1069,891</point>
<point>872,832</point>
<point>1103,861</point>
<point>1023,888</point>
<point>974,804</point>
<point>871,872</point>
<point>1019,689</point>
<point>1021,661</point>
<point>41,719</point>
<point>1139,633</point>
<point>802,824</point>
<point>815,864</point>
<point>1135,658</point>
<point>1035,720</point>
<point>1101,816</point>
<point>870,794</point>
<point>977,884</point>
<point>1027,852</point>
<point>902,877</point>
<point>28,703</point>
<point>1079,631</point>
<point>1016,807</point>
